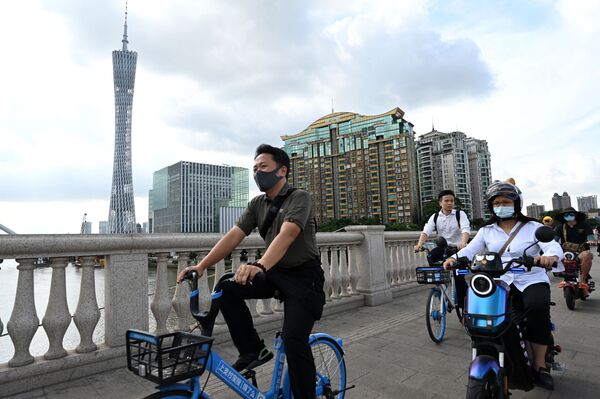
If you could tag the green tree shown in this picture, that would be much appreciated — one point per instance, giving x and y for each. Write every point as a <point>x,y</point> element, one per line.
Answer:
<point>335,224</point>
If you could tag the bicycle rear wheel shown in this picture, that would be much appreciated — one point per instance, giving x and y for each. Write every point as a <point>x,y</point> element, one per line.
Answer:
<point>331,368</point>
<point>435,315</point>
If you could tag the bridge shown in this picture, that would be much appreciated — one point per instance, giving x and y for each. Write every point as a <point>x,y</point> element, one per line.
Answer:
<point>373,303</point>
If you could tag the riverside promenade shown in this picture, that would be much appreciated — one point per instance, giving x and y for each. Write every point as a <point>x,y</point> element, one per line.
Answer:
<point>389,355</point>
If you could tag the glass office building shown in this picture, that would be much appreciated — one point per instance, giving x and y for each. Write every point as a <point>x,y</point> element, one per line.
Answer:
<point>190,197</point>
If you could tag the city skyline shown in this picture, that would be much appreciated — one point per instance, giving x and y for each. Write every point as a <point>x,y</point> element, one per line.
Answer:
<point>217,79</point>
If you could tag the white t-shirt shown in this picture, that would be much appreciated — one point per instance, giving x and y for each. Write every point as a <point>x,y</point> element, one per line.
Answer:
<point>447,226</point>
<point>491,238</point>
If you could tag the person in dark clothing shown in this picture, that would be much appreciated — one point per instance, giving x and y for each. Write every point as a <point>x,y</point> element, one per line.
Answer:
<point>290,265</point>
<point>576,234</point>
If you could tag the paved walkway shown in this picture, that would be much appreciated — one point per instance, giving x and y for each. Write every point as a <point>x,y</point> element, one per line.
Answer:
<point>389,355</point>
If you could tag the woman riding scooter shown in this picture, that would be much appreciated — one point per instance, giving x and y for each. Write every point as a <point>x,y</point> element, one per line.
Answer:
<point>508,223</point>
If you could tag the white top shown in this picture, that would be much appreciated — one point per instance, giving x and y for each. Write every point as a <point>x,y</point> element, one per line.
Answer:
<point>491,238</point>
<point>447,226</point>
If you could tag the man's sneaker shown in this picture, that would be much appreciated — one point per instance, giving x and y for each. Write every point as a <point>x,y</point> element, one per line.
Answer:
<point>591,285</point>
<point>542,378</point>
<point>248,361</point>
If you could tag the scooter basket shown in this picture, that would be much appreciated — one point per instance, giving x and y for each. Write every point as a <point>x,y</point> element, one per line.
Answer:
<point>167,358</point>
<point>433,275</point>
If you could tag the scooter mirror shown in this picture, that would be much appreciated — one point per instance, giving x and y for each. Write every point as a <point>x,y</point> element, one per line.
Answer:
<point>544,234</point>
<point>441,242</point>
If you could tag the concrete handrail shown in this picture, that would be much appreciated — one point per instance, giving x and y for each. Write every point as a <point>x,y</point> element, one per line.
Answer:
<point>362,266</point>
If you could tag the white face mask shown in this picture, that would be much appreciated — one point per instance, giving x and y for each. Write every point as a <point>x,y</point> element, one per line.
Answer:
<point>504,211</point>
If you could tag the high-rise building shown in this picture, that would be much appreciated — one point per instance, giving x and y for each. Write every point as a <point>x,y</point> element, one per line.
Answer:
<point>103,227</point>
<point>587,202</point>
<point>561,201</point>
<point>535,211</point>
<point>190,197</point>
<point>453,161</point>
<point>357,166</point>
<point>480,175</point>
<point>121,215</point>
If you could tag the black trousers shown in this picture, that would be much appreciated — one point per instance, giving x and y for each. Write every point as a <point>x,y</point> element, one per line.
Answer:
<point>301,288</point>
<point>535,301</point>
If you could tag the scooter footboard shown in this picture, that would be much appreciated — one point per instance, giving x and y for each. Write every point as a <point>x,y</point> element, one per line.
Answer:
<point>482,366</point>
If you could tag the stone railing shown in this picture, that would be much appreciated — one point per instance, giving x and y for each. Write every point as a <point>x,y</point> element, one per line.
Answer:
<point>363,266</point>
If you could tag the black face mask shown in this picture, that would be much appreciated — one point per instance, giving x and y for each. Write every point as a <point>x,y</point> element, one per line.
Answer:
<point>266,180</point>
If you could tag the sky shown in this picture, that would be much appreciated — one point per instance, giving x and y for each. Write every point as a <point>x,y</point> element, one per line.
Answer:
<point>216,78</point>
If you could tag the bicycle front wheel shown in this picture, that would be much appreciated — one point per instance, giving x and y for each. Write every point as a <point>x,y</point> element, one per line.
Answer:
<point>435,315</point>
<point>175,394</point>
<point>331,368</point>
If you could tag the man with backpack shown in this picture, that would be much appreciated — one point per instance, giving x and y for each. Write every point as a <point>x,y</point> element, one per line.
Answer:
<point>453,225</point>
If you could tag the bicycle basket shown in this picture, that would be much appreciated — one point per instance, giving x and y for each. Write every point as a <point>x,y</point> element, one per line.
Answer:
<point>433,275</point>
<point>167,358</point>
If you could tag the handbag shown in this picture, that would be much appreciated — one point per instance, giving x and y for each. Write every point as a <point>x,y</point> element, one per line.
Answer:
<point>569,246</point>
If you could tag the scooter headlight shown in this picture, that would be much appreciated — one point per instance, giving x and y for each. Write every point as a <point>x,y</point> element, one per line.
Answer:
<point>482,285</point>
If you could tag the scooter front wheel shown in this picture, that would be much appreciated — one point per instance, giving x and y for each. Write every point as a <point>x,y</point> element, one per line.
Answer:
<point>482,389</point>
<point>569,298</point>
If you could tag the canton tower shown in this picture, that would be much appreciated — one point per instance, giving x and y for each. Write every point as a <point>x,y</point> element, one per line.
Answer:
<point>121,216</point>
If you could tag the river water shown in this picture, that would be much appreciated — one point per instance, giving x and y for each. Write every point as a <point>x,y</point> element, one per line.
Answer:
<point>42,277</point>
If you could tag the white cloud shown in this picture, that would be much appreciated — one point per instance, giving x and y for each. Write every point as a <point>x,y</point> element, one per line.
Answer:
<point>215,79</point>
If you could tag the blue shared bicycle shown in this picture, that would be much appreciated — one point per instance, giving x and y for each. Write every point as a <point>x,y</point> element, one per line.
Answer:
<point>169,359</point>
<point>442,297</point>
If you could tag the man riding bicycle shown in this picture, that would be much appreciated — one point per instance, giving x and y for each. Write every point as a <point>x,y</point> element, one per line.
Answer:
<point>574,231</point>
<point>453,225</point>
<point>291,266</point>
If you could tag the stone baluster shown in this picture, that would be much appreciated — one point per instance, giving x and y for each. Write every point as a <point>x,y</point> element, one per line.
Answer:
<point>336,279</point>
<point>23,321</point>
<point>406,250</point>
<point>399,263</point>
<point>252,302</point>
<point>204,298</point>
<point>219,272</point>
<point>413,263</point>
<point>87,314</point>
<point>344,274</point>
<point>276,305</point>
<point>389,264</point>
<point>267,303</point>
<point>396,262</point>
<point>236,256</point>
<point>161,303</point>
<point>354,274</point>
<point>57,317</point>
<point>181,298</point>
<point>327,271</point>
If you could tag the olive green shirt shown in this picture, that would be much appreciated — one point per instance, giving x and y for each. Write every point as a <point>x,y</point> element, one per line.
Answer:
<point>297,209</point>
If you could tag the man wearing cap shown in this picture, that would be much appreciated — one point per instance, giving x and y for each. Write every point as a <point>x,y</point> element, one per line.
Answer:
<point>575,230</point>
